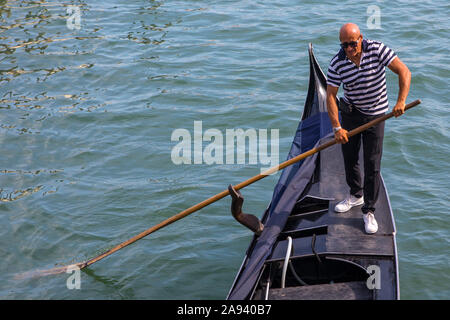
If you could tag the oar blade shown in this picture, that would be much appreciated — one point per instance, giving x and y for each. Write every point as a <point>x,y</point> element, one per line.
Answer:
<point>42,273</point>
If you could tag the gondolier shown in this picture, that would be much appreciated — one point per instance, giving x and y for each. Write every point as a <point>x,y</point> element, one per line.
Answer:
<point>360,67</point>
<point>304,251</point>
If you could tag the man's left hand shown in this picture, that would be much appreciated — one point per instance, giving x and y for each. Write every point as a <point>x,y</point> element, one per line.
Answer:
<point>399,109</point>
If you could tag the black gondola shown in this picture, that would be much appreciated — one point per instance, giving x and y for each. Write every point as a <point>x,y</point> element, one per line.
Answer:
<point>307,250</point>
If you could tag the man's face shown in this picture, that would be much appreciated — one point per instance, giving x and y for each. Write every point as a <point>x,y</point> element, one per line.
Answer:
<point>349,42</point>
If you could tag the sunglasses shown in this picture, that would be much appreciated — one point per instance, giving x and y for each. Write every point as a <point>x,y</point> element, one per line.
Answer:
<point>353,44</point>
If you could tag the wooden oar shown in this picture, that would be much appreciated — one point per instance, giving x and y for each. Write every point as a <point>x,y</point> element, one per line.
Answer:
<point>206,202</point>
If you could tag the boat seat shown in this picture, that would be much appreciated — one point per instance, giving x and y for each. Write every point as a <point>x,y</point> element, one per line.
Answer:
<point>367,245</point>
<point>335,291</point>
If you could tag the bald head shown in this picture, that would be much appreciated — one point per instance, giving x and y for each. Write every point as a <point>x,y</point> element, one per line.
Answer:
<point>348,34</point>
<point>349,30</point>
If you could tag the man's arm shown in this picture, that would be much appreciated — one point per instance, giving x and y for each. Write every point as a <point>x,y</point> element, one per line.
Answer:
<point>332,108</point>
<point>404,81</point>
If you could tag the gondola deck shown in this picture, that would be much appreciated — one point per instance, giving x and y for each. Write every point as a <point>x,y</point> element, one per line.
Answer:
<point>331,257</point>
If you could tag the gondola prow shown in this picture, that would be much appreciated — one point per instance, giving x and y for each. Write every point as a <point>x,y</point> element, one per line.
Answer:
<point>248,220</point>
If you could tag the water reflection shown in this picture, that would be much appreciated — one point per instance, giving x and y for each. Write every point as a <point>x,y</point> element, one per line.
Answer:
<point>49,70</point>
<point>46,72</point>
<point>17,194</point>
<point>14,194</point>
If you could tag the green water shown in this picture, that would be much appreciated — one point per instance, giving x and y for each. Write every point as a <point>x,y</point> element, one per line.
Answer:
<point>88,107</point>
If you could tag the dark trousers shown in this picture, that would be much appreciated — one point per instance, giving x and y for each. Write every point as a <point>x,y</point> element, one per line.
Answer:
<point>372,140</point>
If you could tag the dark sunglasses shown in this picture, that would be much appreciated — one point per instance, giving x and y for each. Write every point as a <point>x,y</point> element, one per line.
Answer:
<point>353,44</point>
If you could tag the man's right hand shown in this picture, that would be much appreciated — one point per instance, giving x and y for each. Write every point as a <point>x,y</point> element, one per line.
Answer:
<point>341,136</point>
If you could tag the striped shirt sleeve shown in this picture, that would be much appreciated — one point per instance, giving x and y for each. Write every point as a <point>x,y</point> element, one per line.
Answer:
<point>385,55</point>
<point>333,78</point>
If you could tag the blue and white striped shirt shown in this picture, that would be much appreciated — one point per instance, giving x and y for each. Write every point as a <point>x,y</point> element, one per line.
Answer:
<point>364,87</point>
